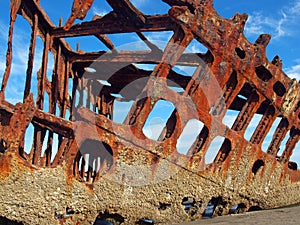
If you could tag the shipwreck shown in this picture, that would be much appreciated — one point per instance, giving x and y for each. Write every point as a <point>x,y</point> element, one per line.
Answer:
<point>100,169</point>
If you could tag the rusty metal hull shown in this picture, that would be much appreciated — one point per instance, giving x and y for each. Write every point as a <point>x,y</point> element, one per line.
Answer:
<point>100,168</point>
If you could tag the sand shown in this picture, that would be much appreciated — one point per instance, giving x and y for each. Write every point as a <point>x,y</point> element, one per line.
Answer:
<point>280,216</point>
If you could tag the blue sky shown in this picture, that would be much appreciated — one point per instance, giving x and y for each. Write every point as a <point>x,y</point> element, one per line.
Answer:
<point>281,19</point>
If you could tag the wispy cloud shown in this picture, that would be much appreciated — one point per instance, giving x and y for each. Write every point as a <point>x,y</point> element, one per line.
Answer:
<point>160,39</point>
<point>280,24</point>
<point>99,12</point>
<point>16,82</point>
<point>189,135</point>
<point>139,3</point>
<point>2,65</point>
<point>3,31</point>
<point>294,72</point>
<point>296,155</point>
<point>195,47</point>
<point>258,24</point>
<point>213,149</point>
<point>163,36</point>
<point>121,110</point>
<point>252,126</point>
<point>154,128</point>
<point>2,68</point>
<point>3,37</point>
<point>295,9</point>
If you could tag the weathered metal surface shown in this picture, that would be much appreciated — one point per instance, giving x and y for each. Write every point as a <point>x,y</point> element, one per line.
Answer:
<point>100,168</point>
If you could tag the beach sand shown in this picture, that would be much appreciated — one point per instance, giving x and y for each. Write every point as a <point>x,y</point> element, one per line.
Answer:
<point>280,216</point>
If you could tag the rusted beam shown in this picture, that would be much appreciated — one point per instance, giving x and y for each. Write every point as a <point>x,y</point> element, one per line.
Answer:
<point>22,116</point>
<point>107,42</point>
<point>79,11</point>
<point>148,43</point>
<point>14,7</point>
<point>31,56</point>
<point>45,120</point>
<point>145,57</point>
<point>109,25</point>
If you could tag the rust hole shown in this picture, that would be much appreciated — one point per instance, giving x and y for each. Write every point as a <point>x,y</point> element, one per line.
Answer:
<point>263,73</point>
<point>2,147</point>
<point>293,165</point>
<point>224,151</point>
<point>257,165</point>
<point>93,158</point>
<point>240,52</point>
<point>279,89</point>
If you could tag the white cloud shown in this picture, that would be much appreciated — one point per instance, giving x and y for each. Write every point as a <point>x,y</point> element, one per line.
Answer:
<point>294,72</point>
<point>189,135</point>
<point>16,82</point>
<point>213,149</point>
<point>280,24</point>
<point>296,155</point>
<point>252,126</point>
<point>121,110</point>
<point>102,12</point>
<point>3,36</point>
<point>154,128</point>
<point>195,47</point>
<point>258,24</point>
<point>2,66</point>
<point>3,31</point>
<point>184,70</point>
<point>254,25</point>
<point>20,49</point>
<point>295,9</point>
<point>99,12</point>
<point>230,117</point>
<point>281,30</point>
<point>160,39</point>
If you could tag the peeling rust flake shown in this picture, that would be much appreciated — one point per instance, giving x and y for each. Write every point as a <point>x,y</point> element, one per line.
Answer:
<point>102,136</point>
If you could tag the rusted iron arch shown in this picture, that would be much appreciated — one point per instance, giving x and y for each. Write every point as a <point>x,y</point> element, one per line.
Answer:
<point>100,159</point>
<point>257,165</point>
